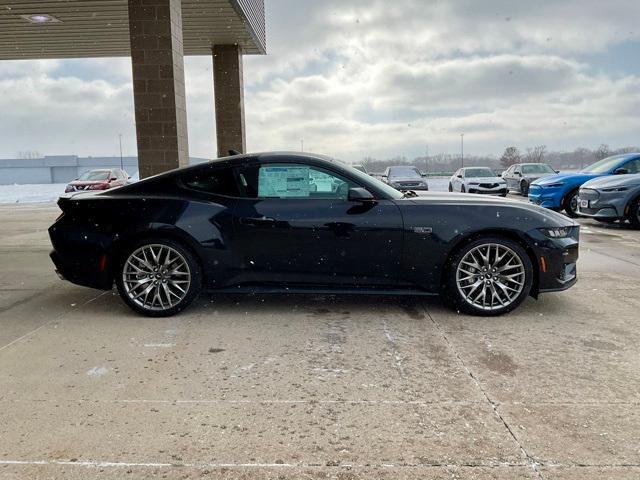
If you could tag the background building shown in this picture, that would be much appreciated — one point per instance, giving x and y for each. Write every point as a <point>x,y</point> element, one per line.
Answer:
<point>62,168</point>
<point>156,34</point>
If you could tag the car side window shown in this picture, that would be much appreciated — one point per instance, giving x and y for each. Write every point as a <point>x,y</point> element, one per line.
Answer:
<point>293,180</point>
<point>516,169</point>
<point>633,166</point>
<point>217,181</point>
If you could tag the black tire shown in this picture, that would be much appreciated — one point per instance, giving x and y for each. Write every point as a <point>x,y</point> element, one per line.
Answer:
<point>185,258</point>
<point>450,188</point>
<point>633,214</point>
<point>453,295</point>
<point>570,204</point>
<point>524,188</point>
<point>462,189</point>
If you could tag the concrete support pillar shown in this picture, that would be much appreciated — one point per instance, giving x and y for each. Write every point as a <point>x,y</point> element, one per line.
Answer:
<point>157,61</point>
<point>229,98</point>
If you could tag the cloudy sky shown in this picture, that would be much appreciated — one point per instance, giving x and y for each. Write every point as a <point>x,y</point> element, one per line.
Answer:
<point>367,77</point>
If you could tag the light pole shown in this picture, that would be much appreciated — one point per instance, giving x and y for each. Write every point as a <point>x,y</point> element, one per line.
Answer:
<point>302,144</point>
<point>426,158</point>
<point>120,139</point>
<point>462,149</point>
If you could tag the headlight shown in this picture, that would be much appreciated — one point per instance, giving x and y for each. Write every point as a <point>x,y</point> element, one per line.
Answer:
<point>557,232</point>
<point>615,189</point>
<point>557,184</point>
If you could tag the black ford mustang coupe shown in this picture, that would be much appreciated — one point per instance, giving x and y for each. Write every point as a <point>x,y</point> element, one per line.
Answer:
<point>291,222</point>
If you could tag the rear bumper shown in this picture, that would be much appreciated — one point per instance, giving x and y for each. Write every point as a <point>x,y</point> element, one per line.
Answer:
<point>81,269</point>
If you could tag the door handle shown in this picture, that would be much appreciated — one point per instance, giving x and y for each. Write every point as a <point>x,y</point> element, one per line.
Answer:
<point>256,221</point>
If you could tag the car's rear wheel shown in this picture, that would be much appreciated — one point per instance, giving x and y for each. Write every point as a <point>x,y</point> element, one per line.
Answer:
<point>524,188</point>
<point>489,276</point>
<point>158,277</point>
<point>633,214</point>
<point>570,204</point>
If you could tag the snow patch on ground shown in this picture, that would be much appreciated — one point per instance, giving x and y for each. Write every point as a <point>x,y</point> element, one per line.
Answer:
<point>31,193</point>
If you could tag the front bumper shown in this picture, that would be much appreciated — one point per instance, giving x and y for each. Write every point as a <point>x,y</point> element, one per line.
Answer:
<point>557,261</point>
<point>410,187</point>
<point>501,190</point>
<point>605,205</point>
<point>548,197</point>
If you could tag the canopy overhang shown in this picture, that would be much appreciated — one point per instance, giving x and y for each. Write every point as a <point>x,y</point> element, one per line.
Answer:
<point>37,29</point>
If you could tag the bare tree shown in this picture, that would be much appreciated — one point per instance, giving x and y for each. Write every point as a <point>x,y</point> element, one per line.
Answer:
<point>26,154</point>
<point>535,154</point>
<point>510,156</point>
<point>602,152</point>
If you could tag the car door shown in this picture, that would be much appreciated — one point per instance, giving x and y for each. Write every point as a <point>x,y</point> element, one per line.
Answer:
<point>297,226</point>
<point>455,181</point>
<point>508,176</point>
<point>516,175</point>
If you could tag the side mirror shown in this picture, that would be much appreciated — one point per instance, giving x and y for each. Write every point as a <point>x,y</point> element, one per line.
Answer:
<point>459,176</point>
<point>129,177</point>
<point>557,171</point>
<point>423,174</point>
<point>518,174</point>
<point>359,195</point>
<point>113,179</point>
<point>620,171</point>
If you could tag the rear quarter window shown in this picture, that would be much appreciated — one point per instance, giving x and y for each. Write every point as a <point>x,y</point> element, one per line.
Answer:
<point>220,181</point>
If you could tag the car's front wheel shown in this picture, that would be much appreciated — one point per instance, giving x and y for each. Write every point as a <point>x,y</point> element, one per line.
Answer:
<point>570,204</point>
<point>450,188</point>
<point>489,276</point>
<point>634,213</point>
<point>524,188</point>
<point>158,277</point>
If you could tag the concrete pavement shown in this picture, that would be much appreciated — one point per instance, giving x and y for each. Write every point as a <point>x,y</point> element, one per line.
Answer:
<point>317,386</point>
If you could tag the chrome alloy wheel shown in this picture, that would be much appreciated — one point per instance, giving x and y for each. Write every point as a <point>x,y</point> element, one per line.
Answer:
<point>156,277</point>
<point>490,276</point>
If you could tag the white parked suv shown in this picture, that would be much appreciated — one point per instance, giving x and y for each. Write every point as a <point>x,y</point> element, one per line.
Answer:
<point>478,180</point>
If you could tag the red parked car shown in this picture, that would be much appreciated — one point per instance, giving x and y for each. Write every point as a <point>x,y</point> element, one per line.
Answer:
<point>101,179</point>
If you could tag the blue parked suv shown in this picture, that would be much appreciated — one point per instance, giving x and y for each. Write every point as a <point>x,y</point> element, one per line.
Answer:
<point>560,191</point>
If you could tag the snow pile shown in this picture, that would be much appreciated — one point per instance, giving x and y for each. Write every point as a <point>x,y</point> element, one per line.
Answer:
<point>31,193</point>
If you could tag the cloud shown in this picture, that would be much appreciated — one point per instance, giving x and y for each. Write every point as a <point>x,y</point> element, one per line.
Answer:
<point>369,77</point>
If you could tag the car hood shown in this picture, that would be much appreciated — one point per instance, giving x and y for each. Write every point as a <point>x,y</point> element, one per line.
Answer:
<point>462,199</point>
<point>406,179</point>
<point>87,182</point>
<point>632,180</point>
<point>536,175</point>
<point>484,179</point>
<point>570,178</point>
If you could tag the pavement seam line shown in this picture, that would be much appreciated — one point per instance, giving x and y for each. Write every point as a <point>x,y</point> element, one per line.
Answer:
<point>48,322</point>
<point>494,406</point>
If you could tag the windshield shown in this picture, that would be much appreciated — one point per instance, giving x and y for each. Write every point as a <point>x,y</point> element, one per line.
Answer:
<point>92,175</point>
<point>404,172</point>
<point>604,165</point>
<point>538,168</point>
<point>479,172</point>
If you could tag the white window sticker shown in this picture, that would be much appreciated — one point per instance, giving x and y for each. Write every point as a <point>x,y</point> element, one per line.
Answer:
<point>283,182</point>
